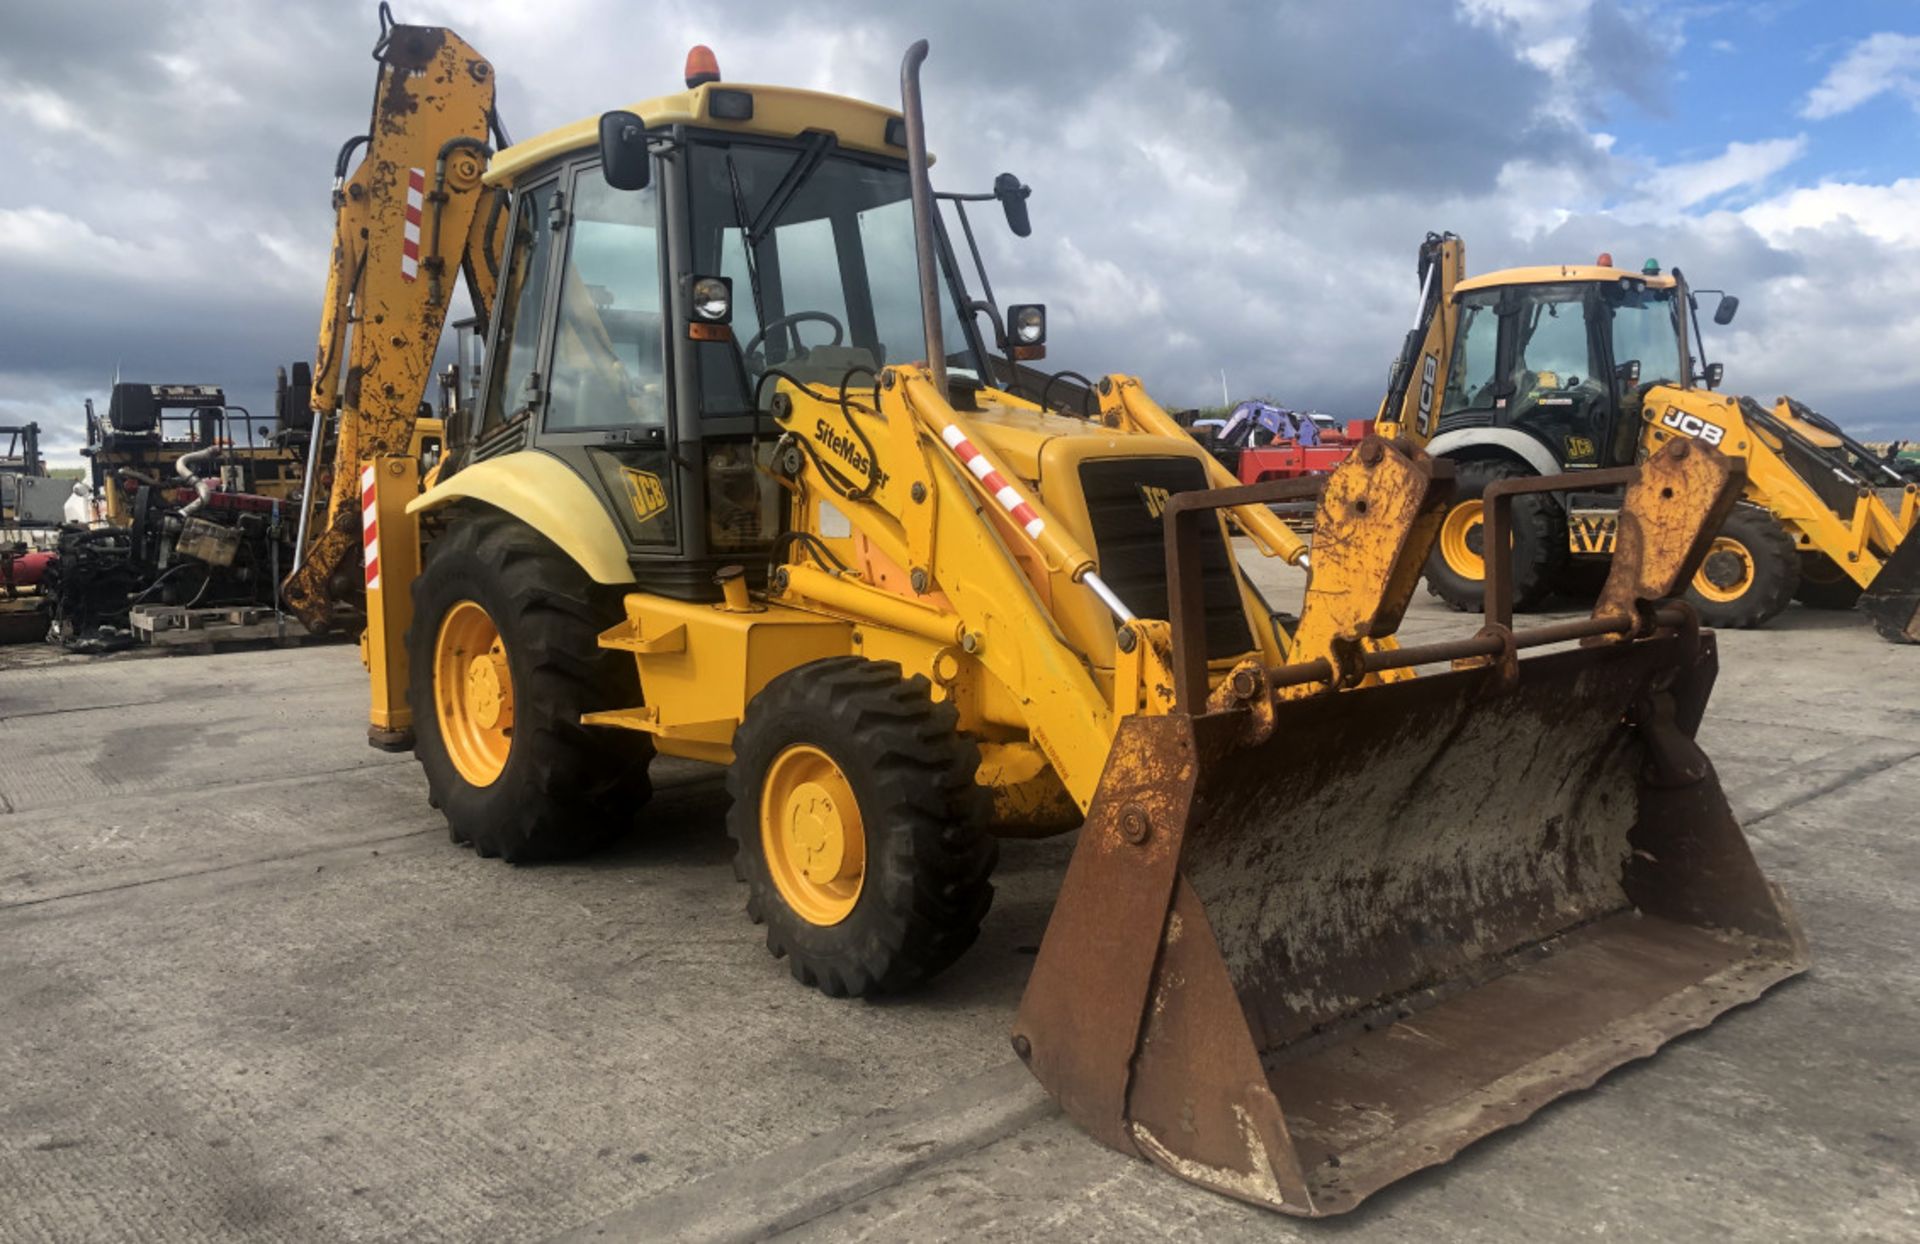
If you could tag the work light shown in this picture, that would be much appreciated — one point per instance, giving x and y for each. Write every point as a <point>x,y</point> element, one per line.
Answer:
<point>712,299</point>
<point>1027,324</point>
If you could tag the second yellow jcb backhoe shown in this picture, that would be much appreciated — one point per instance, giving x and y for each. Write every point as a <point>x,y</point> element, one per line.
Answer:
<point>1576,368</point>
<point>749,482</point>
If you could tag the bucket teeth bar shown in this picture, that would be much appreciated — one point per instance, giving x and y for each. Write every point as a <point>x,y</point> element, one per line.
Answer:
<point>1309,945</point>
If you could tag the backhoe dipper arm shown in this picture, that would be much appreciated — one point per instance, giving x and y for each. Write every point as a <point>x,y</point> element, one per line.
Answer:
<point>1415,385</point>
<point>403,222</point>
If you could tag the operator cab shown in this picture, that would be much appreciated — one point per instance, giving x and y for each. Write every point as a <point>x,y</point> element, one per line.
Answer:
<point>656,283</point>
<point>1565,354</point>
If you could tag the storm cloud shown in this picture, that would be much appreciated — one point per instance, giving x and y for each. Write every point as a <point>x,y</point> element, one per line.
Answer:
<point>1218,186</point>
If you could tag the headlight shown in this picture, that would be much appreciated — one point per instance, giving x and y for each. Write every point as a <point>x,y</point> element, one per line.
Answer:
<point>1027,325</point>
<point>711,299</point>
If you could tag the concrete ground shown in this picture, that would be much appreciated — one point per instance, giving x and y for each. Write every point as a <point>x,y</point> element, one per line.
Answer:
<point>248,990</point>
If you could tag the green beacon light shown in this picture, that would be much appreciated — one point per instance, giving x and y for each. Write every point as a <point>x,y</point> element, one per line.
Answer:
<point>1651,267</point>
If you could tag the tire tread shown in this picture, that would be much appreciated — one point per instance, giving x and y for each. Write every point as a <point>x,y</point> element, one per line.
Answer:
<point>575,786</point>
<point>929,856</point>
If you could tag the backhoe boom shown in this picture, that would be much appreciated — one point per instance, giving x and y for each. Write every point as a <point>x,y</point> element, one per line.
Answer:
<point>407,209</point>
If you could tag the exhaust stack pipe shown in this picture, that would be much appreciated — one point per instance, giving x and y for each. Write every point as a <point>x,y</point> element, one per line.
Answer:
<point>922,189</point>
<point>203,488</point>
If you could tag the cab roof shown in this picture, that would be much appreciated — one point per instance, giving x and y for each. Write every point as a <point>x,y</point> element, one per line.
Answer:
<point>778,112</point>
<point>1559,274</point>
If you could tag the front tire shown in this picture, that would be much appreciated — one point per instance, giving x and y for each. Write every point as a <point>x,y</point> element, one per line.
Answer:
<point>504,661</point>
<point>1750,573</point>
<point>1456,568</point>
<point>858,827</point>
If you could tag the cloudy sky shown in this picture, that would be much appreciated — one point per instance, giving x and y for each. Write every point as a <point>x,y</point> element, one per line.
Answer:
<point>1218,186</point>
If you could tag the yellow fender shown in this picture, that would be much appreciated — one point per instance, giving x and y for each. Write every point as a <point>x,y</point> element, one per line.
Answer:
<point>548,496</point>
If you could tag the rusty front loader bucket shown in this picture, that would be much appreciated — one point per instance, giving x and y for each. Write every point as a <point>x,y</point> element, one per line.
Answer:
<point>1295,959</point>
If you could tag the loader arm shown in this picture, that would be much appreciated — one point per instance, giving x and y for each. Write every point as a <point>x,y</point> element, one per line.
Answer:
<point>960,526</point>
<point>1816,489</point>
<point>404,221</point>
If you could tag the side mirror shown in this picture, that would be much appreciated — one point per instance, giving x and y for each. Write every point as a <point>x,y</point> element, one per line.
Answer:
<point>1013,201</point>
<point>624,160</point>
<point>1723,314</point>
<point>1715,371</point>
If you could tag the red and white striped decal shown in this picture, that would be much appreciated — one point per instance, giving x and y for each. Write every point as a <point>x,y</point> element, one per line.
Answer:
<point>370,526</point>
<point>1010,500</point>
<point>410,239</point>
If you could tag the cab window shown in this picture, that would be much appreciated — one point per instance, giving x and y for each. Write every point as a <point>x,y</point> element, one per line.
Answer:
<point>512,378</point>
<point>818,242</point>
<point>1470,373</point>
<point>609,366</point>
<point>1644,331</point>
<point>1552,350</point>
<point>1553,370</point>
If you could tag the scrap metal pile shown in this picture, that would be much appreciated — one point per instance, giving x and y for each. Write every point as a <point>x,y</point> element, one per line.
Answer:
<point>197,498</point>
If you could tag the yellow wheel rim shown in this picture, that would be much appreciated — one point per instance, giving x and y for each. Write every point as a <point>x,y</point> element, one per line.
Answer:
<point>473,693</point>
<point>1461,523</point>
<point>1727,573</point>
<point>812,836</point>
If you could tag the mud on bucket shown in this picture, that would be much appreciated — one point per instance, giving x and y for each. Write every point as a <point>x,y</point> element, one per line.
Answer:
<point>1297,970</point>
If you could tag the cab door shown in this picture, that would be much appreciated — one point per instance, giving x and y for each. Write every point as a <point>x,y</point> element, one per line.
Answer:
<point>605,407</point>
<point>513,390</point>
<point>1562,394</point>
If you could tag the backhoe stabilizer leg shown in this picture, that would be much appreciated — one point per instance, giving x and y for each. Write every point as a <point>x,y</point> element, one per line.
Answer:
<point>391,560</point>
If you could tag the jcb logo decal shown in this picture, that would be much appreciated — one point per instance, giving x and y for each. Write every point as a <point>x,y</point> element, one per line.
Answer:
<point>1429,368</point>
<point>1694,426</point>
<point>645,493</point>
<point>1156,499</point>
<point>1580,448</point>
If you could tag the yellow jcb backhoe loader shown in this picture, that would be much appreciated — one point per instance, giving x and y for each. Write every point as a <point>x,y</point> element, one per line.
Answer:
<point>746,485</point>
<point>1578,368</point>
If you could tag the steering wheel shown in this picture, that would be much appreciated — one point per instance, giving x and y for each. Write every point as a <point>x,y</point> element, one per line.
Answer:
<point>787,322</point>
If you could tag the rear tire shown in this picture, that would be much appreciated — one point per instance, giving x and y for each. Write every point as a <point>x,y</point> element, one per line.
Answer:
<point>1750,573</point>
<point>563,788</point>
<point>1456,568</point>
<point>1824,585</point>
<point>854,729</point>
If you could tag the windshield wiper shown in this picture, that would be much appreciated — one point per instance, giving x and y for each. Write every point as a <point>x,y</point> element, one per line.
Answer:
<point>796,176</point>
<point>747,241</point>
